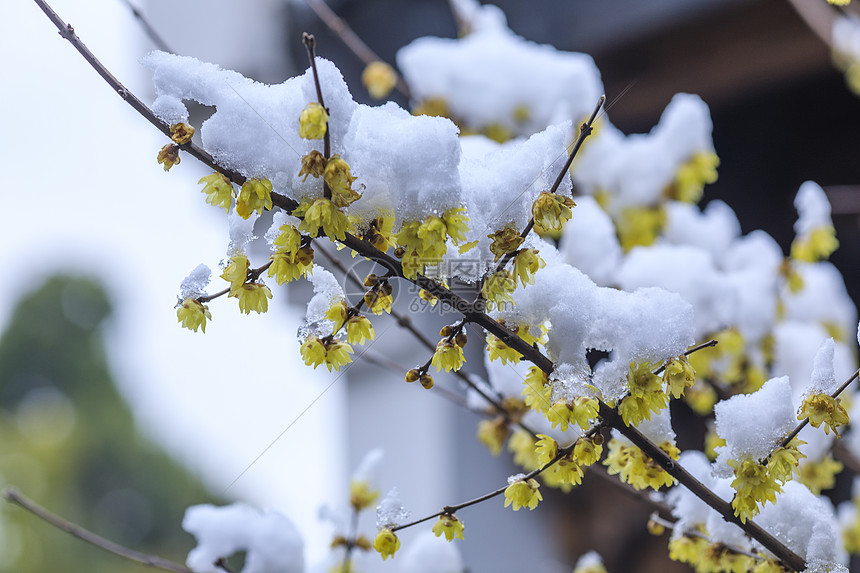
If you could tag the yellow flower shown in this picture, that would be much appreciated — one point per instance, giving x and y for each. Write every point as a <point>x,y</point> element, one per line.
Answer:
<point>337,354</point>
<point>361,495</point>
<point>782,462</point>
<point>379,232</point>
<point>450,526</point>
<point>546,449</point>
<point>181,133</point>
<point>434,107</point>
<point>551,212</point>
<point>505,241</point>
<point>692,176</point>
<point>322,213</point>
<point>636,468</point>
<point>386,543</point>
<point>522,445</point>
<point>448,356</point>
<point>255,195</point>
<point>823,409</point>
<point>359,329</point>
<point>523,493</point>
<point>537,389</point>
<point>712,441</point>
<point>253,296</point>
<point>500,350</point>
<point>313,121</point>
<point>839,2</point>
<point>313,351</point>
<point>564,474</point>
<point>646,394</point>
<point>313,164</point>
<point>286,267</point>
<point>497,289</point>
<point>588,450</point>
<point>752,484</point>
<point>379,299</point>
<point>433,232</point>
<point>493,433</point>
<point>193,315</point>
<point>379,78</point>
<point>678,376</point>
<point>455,224</point>
<point>768,566</point>
<point>821,475</point>
<point>236,272</point>
<point>687,549</point>
<point>526,264</point>
<point>426,381</point>
<point>340,180</point>
<point>639,226</point>
<point>289,239</point>
<point>218,189</point>
<point>817,246</point>
<point>338,313</point>
<point>168,156</point>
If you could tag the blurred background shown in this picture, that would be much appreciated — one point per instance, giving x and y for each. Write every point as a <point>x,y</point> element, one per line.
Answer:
<point>116,418</point>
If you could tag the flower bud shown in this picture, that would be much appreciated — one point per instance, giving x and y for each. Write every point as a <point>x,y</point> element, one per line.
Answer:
<point>426,381</point>
<point>413,375</point>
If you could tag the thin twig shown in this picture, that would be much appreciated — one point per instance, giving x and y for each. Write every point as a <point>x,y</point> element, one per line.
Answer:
<point>147,27</point>
<point>253,274</point>
<point>702,346</point>
<point>12,495</point>
<point>452,509</point>
<point>68,32</point>
<point>351,40</point>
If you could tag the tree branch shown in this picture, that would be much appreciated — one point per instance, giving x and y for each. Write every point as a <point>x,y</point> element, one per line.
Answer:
<point>470,311</point>
<point>11,495</point>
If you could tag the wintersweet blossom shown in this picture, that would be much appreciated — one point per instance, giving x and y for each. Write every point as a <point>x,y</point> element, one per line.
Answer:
<point>322,214</point>
<point>218,189</point>
<point>693,175</point>
<point>362,495</point>
<point>288,267</point>
<point>551,212</point>
<point>818,245</point>
<point>646,395</point>
<point>493,433</point>
<point>193,315</point>
<point>253,296</point>
<point>505,241</point>
<point>564,474</point>
<point>501,351</point>
<point>386,543</point>
<point>522,446</point>
<point>255,195</point>
<point>448,356</point>
<point>526,264</point>
<point>450,526</point>
<point>753,484</point>
<point>636,468</point>
<point>359,329</point>
<point>497,289</point>
<point>379,299</point>
<point>168,156</point>
<point>537,391</point>
<point>379,232</point>
<point>820,475</point>
<point>338,313</point>
<point>678,376</point>
<point>340,180</point>
<point>522,493</point>
<point>313,121</point>
<point>236,272</point>
<point>379,78</point>
<point>546,449</point>
<point>588,450</point>
<point>313,164</point>
<point>181,133</point>
<point>823,409</point>
<point>455,224</point>
<point>640,226</point>
<point>332,353</point>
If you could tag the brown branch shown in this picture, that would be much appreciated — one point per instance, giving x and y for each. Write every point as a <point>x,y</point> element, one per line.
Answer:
<point>351,40</point>
<point>470,312</point>
<point>147,27</point>
<point>685,478</point>
<point>11,495</point>
<point>68,32</point>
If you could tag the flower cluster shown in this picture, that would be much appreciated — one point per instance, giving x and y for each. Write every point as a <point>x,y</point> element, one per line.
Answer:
<point>823,409</point>
<point>332,353</point>
<point>424,242</point>
<point>636,468</point>
<point>646,394</point>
